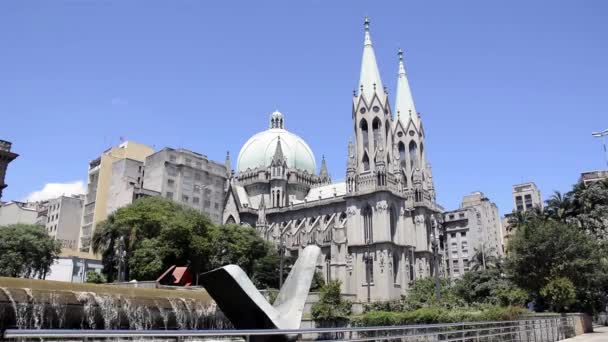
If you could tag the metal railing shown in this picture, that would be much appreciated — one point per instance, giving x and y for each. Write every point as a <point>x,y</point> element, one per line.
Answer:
<point>528,330</point>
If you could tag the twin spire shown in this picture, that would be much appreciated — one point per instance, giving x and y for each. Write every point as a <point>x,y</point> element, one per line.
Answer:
<point>370,81</point>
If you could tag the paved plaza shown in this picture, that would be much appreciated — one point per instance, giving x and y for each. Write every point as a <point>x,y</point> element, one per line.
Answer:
<point>599,334</point>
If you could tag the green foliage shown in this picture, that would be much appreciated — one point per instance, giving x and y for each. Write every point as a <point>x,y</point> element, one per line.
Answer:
<point>543,249</point>
<point>155,233</point>
<point>436,314</point>
<point>318,281</point>
<point>267,269</point>
<point>489,286</point>
<point>95,277</point>
<point>422,294</point>
<point>26,251</point>
<point>331,307</point>
<point>559,293</point>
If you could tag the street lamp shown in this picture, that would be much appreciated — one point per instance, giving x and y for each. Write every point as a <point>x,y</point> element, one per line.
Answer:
<point>281,256</point>
<point>435,246</point>
<point>603,134</point>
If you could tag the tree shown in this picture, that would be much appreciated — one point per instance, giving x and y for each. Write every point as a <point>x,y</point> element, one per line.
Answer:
<point>489,286</point>
<point>422,294</point>
<point>560,207</point>
<point>267,269</point>
<point>331,307</point>
<point>26,251</point>
<point>559,293</point>
<point>95,277</point>
<point>485,258</point>
<point>153,233</point>
<point>317,281</point>
<point>590,203</point>
<point>544,249</point>
<point>232,244</point>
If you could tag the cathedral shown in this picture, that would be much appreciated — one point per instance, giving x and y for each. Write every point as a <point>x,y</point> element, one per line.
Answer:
<point>380,229</point>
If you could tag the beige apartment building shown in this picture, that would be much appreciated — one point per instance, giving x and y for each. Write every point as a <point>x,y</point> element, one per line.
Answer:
<point>100,179</point>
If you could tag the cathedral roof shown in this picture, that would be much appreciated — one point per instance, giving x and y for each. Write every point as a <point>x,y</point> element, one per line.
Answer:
<point>259,150</point>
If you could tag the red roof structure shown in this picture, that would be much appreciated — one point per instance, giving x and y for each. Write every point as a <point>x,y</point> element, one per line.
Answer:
<point>176,276</point>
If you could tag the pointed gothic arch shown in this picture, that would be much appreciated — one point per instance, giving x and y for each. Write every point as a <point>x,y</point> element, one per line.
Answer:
<point>413,150</point>
<point>230,220</point>
<point>365,162</point>
<point>392,222</point>
<point>377,129</point>
<point>364,133</point>
<point>422,161</point>
<point>368,231</point>
<point>402,156</point>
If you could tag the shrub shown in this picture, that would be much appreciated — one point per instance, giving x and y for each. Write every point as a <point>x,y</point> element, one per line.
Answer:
<point>436,314</point>
<point>331,307</point>
<point>559,293</point>
<point>95,278</point>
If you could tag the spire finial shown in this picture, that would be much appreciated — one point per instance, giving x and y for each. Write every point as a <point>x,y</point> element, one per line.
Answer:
<point>400,54</point>
<point>366,24</point>
<point>368,38</point>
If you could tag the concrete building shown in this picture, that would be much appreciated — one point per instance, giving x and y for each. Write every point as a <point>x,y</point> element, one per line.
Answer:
<point>593,176</point>
<point>189,178</point>
<point>18,212</point>
<point>63,216</point>
<point>379,229</point>
<point>6,156</point>
<point>73,268</point>
<point>126,184</point>
<point>100,178</point>
<point>474,227</point>
<point>526,196</point>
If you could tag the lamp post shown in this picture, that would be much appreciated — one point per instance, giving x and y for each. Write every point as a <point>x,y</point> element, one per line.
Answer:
<point>281,256</point>
<point>435,246</point>
<point>603,134</point>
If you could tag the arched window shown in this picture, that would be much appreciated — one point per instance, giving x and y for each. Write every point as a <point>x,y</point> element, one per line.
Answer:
<point>404,179</point>
<point>413,155</point>
<point>393,223</point>
<point>368,232</point>
<point>365,162</point>
<point>402,157</point>
<point>364,133</point>
<point>376,128</point>
<point>230,220</point>
<point>386,126</point>
<point>422,164</point>
<point>396,275</point>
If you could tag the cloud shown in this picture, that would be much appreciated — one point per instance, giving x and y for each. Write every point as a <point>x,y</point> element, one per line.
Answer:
<point>53,190</point>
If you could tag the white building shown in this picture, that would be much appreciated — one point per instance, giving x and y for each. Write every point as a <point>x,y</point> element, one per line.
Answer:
<point>526,196</point>
<point>73,269</point>
<point>18,212</point>
<point>378,228</point>
<point>474,227</point>
<point>63,216</point>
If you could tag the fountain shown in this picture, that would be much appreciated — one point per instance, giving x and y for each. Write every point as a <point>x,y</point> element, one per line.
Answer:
<point>41,304</point>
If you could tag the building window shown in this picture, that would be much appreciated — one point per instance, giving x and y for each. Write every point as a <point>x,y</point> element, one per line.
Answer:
<point>451,216</point>
<point>461,215</point>
<point>185,198</point>
<point>364,133</point>
<point>368,233</point>
<point>365,162</point>
<point>396,274</point>
<point>199,164</point>
<point>463,234</point>
<point>206,204</point>
<point>402,160</point>
<point>369,269</point>
<point>413,155</point>
<point>453,235</point>
<point>188,161</point>
<point>393,223</point>
<point>172,158</point>
<point>195,200</point>
<point>169,195</point>
<point>466,266</point>
<point>197,188</point>
<point>216,205</point>
<point>170,182</point>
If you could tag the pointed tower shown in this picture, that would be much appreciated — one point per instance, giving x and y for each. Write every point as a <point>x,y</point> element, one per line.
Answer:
<point>371,111</point>
<point>404,103</point>
<point>323,174</point>
<point>278,175</point>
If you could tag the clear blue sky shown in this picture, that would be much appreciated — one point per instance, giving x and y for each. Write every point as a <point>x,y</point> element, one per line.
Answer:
<point>509,90</point>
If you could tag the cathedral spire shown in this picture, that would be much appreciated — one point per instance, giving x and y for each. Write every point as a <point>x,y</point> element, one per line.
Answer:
<point>278,159</point>
<point>369,80</point>
<point>323,174</point>
<point>404,104</point>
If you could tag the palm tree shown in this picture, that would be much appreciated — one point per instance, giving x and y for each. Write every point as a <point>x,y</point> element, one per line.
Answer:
<point>560,206</point>
<point>485,258</point>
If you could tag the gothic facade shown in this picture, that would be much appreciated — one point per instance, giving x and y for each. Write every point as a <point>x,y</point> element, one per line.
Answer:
<point>378,228</point>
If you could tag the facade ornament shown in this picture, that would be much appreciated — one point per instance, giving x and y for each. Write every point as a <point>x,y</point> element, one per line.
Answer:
<point>349,262</point>
<point>351,211</point>
<point>381,262</point>
<point>381,206</point>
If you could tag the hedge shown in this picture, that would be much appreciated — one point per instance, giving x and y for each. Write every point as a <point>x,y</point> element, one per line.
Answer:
<point>431,315</point>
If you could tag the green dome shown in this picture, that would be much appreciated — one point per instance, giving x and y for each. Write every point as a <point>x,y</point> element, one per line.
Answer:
<point>259,149</point>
